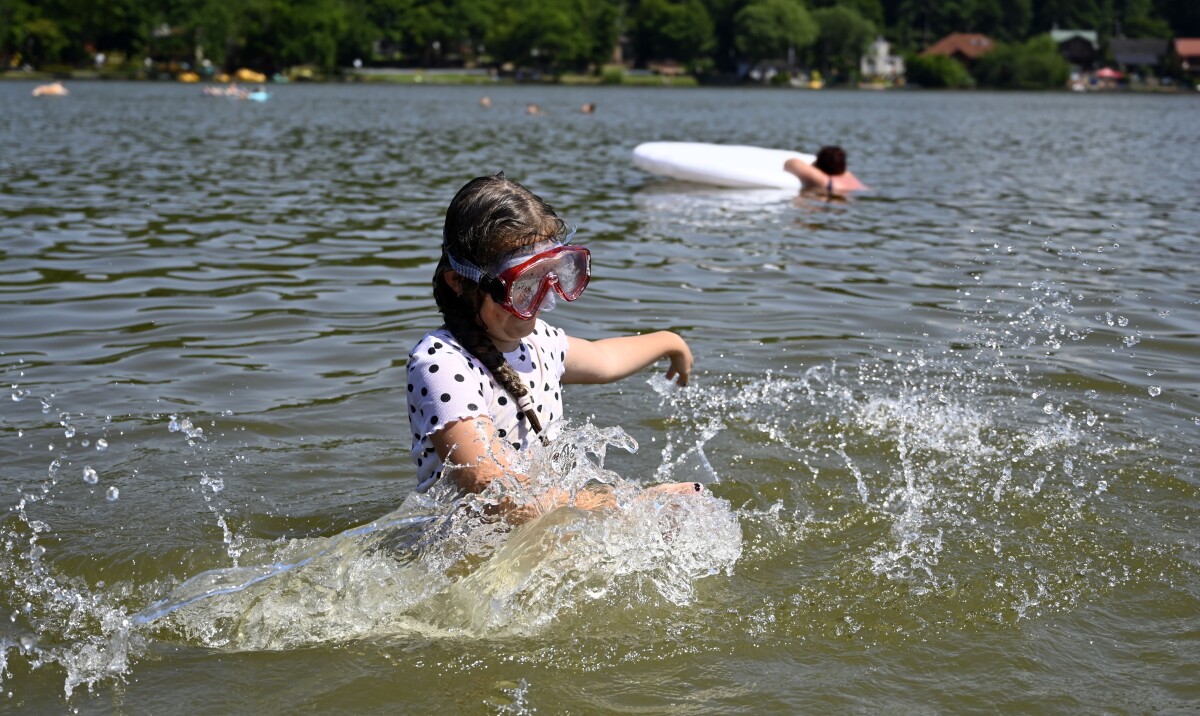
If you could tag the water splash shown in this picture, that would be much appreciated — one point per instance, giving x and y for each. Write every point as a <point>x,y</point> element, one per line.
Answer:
<point>435,568</point>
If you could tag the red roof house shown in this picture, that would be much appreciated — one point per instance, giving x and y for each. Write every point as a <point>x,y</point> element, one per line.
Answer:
<point>1187,54</point>
<point>962,46</point>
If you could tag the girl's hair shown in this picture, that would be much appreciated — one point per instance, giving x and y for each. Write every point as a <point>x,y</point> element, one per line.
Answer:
<point>831,160</point>
<point>489,217</point>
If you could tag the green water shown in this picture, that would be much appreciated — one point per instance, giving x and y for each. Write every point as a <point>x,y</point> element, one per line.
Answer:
<point>947,428</point>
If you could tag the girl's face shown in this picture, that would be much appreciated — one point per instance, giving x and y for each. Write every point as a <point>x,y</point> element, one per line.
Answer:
<point>505,329</point>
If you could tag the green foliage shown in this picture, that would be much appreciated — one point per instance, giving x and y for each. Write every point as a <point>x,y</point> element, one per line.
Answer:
<point>1035,65</point>
<point>844,36</point>
<point>564,35</point>
<point>870,10</point>
<point>555,35</point>
<point>765,29</point>
<point>937,71</point>
<point>680,30</point>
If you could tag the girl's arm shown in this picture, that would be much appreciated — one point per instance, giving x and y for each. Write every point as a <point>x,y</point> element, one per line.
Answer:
<point>464,443</point>
<point>611,359</point>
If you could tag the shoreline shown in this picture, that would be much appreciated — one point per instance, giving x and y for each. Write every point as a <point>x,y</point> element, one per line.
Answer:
<point>440,77</point>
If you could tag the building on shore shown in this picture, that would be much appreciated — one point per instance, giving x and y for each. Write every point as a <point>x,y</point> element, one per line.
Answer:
<point>880,65</point>
<point>966,47</point>
<point>1185,54</point>
<point>1131,53</point>
<point>1079,47</point>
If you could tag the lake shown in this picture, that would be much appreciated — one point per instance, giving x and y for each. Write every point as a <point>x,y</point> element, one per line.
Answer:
<point>947,427</point>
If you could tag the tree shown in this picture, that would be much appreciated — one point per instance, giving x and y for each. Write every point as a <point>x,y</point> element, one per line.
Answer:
<point>1037,64</point>
<point>282,33</point>
<point>555,34</point>
<point>844,35</point>
<point>767,29</point>
<point>936,71</point>
<point>672,29</point>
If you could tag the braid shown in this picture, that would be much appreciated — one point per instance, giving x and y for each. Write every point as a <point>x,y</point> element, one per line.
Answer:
<point>460,313</point>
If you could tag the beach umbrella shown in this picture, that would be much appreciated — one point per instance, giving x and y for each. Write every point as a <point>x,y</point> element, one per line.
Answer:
<point>1108,73</point>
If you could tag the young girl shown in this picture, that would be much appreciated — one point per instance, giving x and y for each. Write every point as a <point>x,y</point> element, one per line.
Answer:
<point>489,381</point>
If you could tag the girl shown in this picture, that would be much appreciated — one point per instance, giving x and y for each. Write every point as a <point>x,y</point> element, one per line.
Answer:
<point>489,381</point>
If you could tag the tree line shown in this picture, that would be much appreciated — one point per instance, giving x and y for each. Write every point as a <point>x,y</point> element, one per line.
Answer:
<point>704,36</point>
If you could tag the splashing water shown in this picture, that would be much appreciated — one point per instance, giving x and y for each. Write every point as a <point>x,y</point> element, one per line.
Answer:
<point>949,467</point>
<point>431,568</point>
<point>434,566</point>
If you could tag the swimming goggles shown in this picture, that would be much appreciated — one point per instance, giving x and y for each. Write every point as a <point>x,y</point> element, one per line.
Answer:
<point>523,281</point>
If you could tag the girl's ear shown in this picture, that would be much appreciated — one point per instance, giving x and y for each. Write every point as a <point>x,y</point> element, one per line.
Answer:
<point>454,280</point>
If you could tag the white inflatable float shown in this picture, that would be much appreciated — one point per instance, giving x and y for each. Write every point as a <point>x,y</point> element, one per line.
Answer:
<point>725,165</point>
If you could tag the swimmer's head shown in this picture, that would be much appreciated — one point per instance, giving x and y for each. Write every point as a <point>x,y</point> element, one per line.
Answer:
<point>489,218</point>
<point>831,160</point>
<point>492,216</point>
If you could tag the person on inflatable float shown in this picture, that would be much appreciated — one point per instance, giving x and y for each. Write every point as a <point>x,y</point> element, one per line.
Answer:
<point>488,383</point>
<point>826,177</point>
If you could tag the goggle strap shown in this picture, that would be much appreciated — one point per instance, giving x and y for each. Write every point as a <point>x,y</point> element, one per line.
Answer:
<point>466,269</point>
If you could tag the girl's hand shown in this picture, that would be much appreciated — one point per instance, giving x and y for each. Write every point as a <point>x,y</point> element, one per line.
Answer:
<point>681,362</point>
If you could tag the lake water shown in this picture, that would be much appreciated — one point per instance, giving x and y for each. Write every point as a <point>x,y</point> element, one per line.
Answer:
<point>948,428</point>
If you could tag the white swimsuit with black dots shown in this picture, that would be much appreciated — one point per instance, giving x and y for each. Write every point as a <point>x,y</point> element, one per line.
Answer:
<point>446,384</point>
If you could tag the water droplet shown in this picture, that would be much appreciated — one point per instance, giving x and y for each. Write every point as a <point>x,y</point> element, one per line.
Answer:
<point>1048,408</point>
<point>18,395</point>
<point>85,442</point>
<point>90,476</point>
<point>113,494</point>
<point>69,431</point>
<point>1091,418</point>
<point>1155,391</point>
<point>101,444</point>
<point>1122,321</point>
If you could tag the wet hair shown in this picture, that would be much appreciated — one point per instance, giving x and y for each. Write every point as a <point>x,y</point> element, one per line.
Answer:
<point>831,160</point>
<point>489,217</point>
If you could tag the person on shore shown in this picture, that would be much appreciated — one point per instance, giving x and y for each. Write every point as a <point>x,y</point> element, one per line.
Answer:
<point>827,176</point>
<point>488,383</point>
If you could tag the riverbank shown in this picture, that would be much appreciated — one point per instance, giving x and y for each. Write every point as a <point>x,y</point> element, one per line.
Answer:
<point>457,77</point>
<point>632,78</point>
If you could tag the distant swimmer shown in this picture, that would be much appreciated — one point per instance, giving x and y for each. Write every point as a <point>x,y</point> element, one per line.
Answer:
<point>485,102</point>
<point>827,176</point>
<point>54,89</point>
<point>588,108</point>
<point>533,109</point>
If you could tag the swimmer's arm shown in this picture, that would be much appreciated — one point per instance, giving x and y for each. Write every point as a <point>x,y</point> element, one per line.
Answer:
<point>610,359</point>
<point>465,445</point>
<point>809,175</point>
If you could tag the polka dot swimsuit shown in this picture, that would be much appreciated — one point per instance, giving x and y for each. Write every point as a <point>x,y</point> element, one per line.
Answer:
<point>446,383</point>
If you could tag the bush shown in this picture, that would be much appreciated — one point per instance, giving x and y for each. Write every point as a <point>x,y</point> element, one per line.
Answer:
<point>936,71</point>
<point>1037,64</point>
<point>612,76</point>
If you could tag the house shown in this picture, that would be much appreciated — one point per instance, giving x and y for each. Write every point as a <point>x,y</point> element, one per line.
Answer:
<point>879,62</point>
<point>1130,53</point>
<point>1186,55</point>
<point>965,47</point>
<point>1079,47</point>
